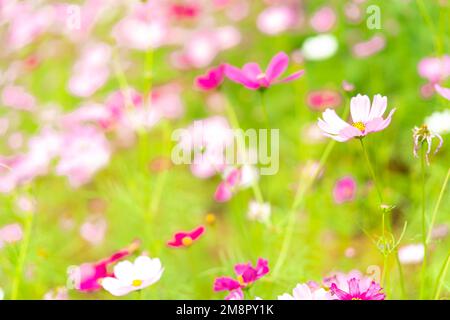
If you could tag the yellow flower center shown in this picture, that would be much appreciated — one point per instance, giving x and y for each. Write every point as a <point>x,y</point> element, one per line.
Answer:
<point>137,283</point>
<point>186,241</point>
<point>210,218</point>
<point>240,279</point>
<point>356,299</point>
<point>359,125</point>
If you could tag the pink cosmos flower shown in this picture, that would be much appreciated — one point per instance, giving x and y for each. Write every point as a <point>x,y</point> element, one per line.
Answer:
<point>306,291</point>
<point>236,294</point>
<point>444,92</point>
<point>323,19</point>
<point>355,291</point>
<point>18,98</point>
<point>353,286</point>
<point>235,179</point>
<point>212,79</point>
<point>186,238</point>
<point>322,99</point>
<point>366,119</point>
<point>59,293</point>
<point>434,69</point>
<point>10,233</point>
<point>277,19</point>
<point>246,275</point>
<point>344,190</point>
<point>86,277</point>
<point>252,77</point>
<point>369,47</point>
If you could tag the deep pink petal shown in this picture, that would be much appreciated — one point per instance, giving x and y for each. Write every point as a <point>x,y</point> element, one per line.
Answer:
<point>236,75</point>
<point>353,285</point>
<point>226,283</point>
<point>252,71</point>
<point>277,66</point>
<point>293,76</point>
<point>223,192</point>
<point>262,267</point>
<point>197,232</point>
<point>341,295</point>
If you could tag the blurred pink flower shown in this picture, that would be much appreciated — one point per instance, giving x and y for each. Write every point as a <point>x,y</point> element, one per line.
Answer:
<point>10,233</point>
<point>353,286</point>
<point>370,47</point>
<point>186,238</point>
<point>143,29</point>
<point>93,230</point>
<point>181,11</point>
<point>321,99</point>
<point>366,119</point>
<point>18,98</point>
<point>235,179</point>
<point>246,275</point>
<point>59,293</point>
<point>323,19</point>
<point>207,140</point>
<point>166,101</point>
<point>434,69</point>
<point>85,151</point>
<point>236,294</point>
<point>202,46</point>
<point>444,92</point>
<point>304,291</point>
<point>347,86</point>
<point>86,277</point>
<point>212,79</point>
<point>344,190</point>
<point>411,254</point>
<point>252,77</point>
<point>277,19</point>
<point>91,71</point>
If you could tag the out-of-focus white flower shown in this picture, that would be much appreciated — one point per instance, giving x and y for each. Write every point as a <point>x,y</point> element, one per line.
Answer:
<point>320,47</point>
<point>303,292</point>
<point>2,294</point>
<point>411,254</point>
<point>259,211</point>
<point>59,293</point>
<point>276,19</point>
<point>439,122</point>
<point>130,276</point>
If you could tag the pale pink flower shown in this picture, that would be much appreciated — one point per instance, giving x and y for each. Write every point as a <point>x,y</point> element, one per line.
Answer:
<point>235,179</point>
<point>444,92</point>
<point>91,71</point>
<point>236,294</point>
<point>353,286</point>
<point>369,47</point>
<point>303,291</point>
<point>321,99</point>
<point>365,119</point>
<point>15,140</point>
<point>323,19</point>
<point>18,98</point>
<point>86,151</point>
<point>277,19</point>
<point>93,230</point>
<point>26,203</point>
<point>434,69</point>
<point>133,276</point>
<point>411,254</point>
<point>344,190</point>
<point>59,293</point>
<point>259,211</point>
<point>166,101</point>
<point>10,233</point>
<point>252,77</point>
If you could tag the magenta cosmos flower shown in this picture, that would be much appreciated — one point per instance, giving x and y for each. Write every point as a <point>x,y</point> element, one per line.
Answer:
<point>344,190</point>
<point>252,77</point>
<point>246,275</point>
<point>212,79</point>
<point>356,292</point>
<point>87,276</point>
<point>366,119</point>
<point>185,239</point>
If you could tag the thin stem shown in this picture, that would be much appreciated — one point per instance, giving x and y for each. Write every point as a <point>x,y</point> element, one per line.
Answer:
<point>436,207</point>
<point>441,277</point>
<point>401,276</point>
<point>18,275</point>
<point>241,147</point>
<point>424,225</point>
<point>372,172</point>
<point>263,107</point>
<point>436,39</point>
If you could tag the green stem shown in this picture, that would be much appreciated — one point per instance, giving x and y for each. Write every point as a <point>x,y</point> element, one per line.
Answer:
<point>424,226</point>
<point>372,172</point>
<point>263,107</point>
<point>436,207</point>
<point>401,276</point>
<point>241,147</point>
<point>18,275</point>
<point>429,22</point>
<point>441,277</point>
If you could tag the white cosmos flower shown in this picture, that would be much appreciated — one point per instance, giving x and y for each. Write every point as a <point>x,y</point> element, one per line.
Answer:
<point>411,254</point>
<point>439,122</point>
<point>2,294</point>
<point>320,47</point>
<point>259,211</point>
<point>130,276</point>
<point>303,292</point>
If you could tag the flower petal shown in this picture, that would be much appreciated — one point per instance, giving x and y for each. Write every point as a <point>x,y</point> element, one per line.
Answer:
<point>124,271</point>
<point>360,108</point>
<point>379,105</point>
<point>445,92</point>
<point>252,71</point>
<point>236,75</point>
<point>293,76</point>
<point>115,287</point>
<point>277,66</point>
